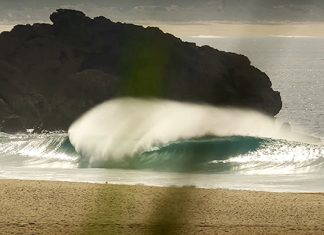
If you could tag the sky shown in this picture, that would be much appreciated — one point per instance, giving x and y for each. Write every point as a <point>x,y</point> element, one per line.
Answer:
<point>186,17</point>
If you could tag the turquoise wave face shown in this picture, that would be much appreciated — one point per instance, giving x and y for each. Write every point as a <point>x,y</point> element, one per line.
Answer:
<point>208,154</point>
<point>186,155</point>
<point>211,154</point>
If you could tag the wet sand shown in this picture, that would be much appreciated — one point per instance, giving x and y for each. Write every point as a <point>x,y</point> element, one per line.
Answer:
<point>40,207</point>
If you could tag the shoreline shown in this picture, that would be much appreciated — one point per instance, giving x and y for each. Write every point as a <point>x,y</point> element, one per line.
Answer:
<point>55,207</point>
<point>175,186</point>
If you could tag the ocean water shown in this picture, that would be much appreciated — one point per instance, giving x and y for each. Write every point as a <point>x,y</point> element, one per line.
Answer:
<point>139,142</point>
<point>295,66</point>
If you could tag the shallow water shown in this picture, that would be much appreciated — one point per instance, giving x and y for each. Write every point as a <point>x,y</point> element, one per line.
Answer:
<point>273,183</point>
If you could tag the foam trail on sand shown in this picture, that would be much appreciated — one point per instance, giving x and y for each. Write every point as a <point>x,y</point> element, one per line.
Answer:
<point>122,128</point>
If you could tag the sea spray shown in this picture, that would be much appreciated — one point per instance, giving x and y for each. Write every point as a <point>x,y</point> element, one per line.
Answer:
<point>121,129</point>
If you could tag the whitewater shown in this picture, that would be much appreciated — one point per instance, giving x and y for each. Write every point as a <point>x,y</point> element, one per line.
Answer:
<point>165,143</point>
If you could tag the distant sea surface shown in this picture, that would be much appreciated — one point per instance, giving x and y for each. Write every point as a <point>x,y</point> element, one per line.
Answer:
<point>295,66</point>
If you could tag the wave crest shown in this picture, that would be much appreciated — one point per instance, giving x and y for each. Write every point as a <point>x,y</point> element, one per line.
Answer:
<point>168,135</point>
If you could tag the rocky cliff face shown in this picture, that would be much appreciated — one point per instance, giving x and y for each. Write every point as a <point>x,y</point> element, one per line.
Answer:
<point>52,73</point>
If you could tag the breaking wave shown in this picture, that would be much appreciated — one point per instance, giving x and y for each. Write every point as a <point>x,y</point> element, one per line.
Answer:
<point>167,136</point>
<point>208,154</point>
<point>41,150</point>
<point>175,136</point>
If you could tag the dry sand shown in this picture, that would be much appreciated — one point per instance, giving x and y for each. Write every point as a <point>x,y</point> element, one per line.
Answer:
<point>40,207</point>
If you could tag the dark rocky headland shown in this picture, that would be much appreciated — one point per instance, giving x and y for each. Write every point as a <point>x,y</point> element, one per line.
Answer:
<point>51,73</point>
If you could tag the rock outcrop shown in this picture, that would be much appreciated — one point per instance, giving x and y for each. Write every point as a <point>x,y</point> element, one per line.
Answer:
<point>52,73</point>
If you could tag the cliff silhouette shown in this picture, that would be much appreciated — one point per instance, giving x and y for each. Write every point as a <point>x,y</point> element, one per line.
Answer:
<point>51,73</point>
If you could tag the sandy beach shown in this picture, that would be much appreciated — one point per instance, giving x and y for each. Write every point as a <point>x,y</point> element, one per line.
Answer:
<point>40,207</point>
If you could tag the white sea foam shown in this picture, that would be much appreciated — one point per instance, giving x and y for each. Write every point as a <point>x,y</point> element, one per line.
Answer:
<point>124,127</point>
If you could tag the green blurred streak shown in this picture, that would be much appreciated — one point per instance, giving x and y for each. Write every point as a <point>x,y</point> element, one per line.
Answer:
<point>146,66</point>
